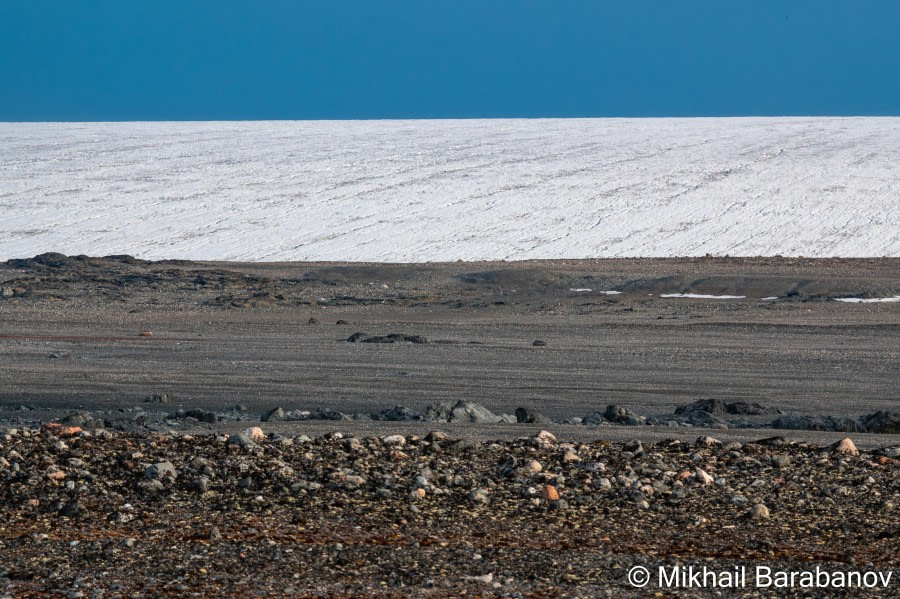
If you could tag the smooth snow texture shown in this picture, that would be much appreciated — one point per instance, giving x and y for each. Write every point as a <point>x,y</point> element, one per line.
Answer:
<point>859,300</point>
<point>701,296</point>
<point>447,190</point>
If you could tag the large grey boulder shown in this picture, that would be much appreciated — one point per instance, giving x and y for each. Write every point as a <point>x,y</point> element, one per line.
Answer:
<point>461,411</point>
<point>622,415</point>
<point>469,411</point>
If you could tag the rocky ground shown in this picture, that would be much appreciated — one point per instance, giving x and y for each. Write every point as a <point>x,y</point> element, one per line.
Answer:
<point>164,366</point>
<point>91,514</point>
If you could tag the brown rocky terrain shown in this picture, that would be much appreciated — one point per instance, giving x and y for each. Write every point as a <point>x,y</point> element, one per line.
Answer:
<point>138,515</point>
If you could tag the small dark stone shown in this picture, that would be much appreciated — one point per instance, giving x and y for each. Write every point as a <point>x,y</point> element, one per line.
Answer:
<point>164,398</point>
<point>72,510</point>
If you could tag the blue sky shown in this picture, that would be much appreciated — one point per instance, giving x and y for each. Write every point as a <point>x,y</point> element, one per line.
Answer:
<point>293,59</point>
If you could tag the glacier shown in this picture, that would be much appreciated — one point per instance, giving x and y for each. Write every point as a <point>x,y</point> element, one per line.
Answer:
<point>443,190</point>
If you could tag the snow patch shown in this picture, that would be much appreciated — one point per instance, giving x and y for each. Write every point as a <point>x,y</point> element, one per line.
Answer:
<point>700,296</point>
<point>860,300</point>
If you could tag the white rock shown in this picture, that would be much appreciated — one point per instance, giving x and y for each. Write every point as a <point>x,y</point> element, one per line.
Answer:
<point>394,440</point>
<point>845,446</point>
<point>255,433</point>
<point>702,477</point>
<point>486,579</point>
<point>707,441</point>
<point>546,438</point>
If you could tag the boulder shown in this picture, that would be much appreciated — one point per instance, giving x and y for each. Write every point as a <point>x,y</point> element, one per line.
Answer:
<point>819,423</point>
<point>161,471</point>
<point>621,415</point>
<point>325,414</point>
<point>720,407</point>
<point>703,419</point>
<point>398,414</point>
<point>528,416</point>
<point>438,412</point>
<point>85,421</point>
<point>593,419</point>
<point>845,447</point>
<point>196,414</point>
<point>273,415</point>
<point>461,411</point>
<point>881,422</point>
<point>468,411</point>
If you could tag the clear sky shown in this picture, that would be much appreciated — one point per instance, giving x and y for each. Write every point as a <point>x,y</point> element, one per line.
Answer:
<point>296,59</point>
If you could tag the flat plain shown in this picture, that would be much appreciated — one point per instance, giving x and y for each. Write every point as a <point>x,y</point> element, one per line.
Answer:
<point>151,499</point>
<point>232,333</point>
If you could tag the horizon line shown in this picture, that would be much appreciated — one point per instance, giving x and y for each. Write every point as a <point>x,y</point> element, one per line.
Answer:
<point>467,118</point>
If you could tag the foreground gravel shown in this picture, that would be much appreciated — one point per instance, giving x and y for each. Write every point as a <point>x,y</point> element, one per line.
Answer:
<point>145,515</point>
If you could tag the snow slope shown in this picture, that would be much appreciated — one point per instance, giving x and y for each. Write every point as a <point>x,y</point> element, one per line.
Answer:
<point>447,190</point>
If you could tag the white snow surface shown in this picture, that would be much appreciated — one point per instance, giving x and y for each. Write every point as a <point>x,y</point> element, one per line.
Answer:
<point>702,296</point>
<point>415,191</point>
<point>873,300</point>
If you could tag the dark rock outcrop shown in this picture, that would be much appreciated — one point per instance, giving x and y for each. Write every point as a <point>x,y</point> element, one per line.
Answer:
<point>819,423</point>
<point>721,407</point>
<point>528,416</point>
<point>882,422</point>
<point>622,415</point>
<point>398,414</point>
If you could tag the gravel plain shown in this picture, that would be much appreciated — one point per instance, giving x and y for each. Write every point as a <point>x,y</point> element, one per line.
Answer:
<point>101,338</point>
